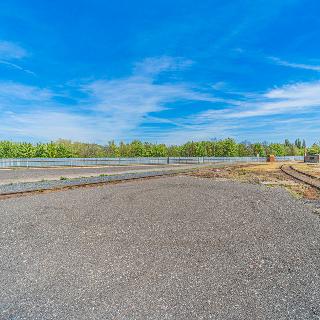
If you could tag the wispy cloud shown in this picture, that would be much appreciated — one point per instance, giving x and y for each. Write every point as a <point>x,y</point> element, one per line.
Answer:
<point>132,107</point>
<point>299,97</point>
<point>284,63</point>
<point>14,94</point>
<point>10,53</point>
<point>44,125</point>
<point>275,111</point>
<point>155,65</point>
<point>16,66</point>
<point>10,50</point>
<point>111,109</point>
<point>127,102</point>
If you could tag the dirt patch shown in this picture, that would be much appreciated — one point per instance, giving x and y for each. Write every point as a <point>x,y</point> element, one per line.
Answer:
<point>310,168</point>
<point>267,174</point>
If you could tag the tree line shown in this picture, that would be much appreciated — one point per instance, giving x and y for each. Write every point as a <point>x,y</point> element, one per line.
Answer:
<point>214,148</point>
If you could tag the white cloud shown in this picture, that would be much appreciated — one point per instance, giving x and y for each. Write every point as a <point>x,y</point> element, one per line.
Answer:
<point>295,65</point>
<point>131,107</point>
<point>51,124</point>
<point>16,66</point>
<point>12,93</point>
<point>271,112</point>
<point>295,98</point>
<point>155,65</point>
<point>219,85</point>
<point>42,124</point>
<point>10,50</point>
<point>139,95</point>
<point>129,102</point>
<point>112,109</point>
<point>299,97</point>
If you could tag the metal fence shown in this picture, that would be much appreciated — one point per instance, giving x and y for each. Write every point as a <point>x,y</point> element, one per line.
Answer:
<point>290,158</point>
<point>83,162</point>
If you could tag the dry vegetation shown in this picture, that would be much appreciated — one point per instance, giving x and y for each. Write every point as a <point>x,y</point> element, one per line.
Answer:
<point>313,169</point>
<point>267,174</point>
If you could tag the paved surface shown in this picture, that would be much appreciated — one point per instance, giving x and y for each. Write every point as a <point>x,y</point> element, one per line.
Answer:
<point>37,174</point>
<point>168,248</point>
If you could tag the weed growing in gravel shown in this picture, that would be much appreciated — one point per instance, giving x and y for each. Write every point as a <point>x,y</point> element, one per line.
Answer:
<point>242,172</point>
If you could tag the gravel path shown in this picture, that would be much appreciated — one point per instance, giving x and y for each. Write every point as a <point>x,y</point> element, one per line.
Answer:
<point>169,248</point>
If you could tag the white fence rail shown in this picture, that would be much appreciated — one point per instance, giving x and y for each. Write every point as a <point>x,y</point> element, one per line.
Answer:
<point>82,162</point>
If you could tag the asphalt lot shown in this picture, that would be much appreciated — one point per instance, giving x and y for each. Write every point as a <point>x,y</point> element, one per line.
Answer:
<point>37,174</point>
<point>166,248</point>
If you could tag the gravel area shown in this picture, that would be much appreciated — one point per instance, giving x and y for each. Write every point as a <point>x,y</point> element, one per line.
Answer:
<point>11,188</point>
<point>36,174</point>
<point>170,248</point>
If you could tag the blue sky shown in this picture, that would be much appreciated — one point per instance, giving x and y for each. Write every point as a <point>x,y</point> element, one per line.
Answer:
<point>160,71</point>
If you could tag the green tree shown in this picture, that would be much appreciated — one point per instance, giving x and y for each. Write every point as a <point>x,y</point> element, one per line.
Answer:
<point>25,150</point>
<point>298,143</point>
<point>219,148</point>
<point>112,149</point>
<point>314,149</point>
<point>230,148</point>
<point>277,149</point>
<point>258,149</point>
<point>41,151</point>
<point>8,149</point>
